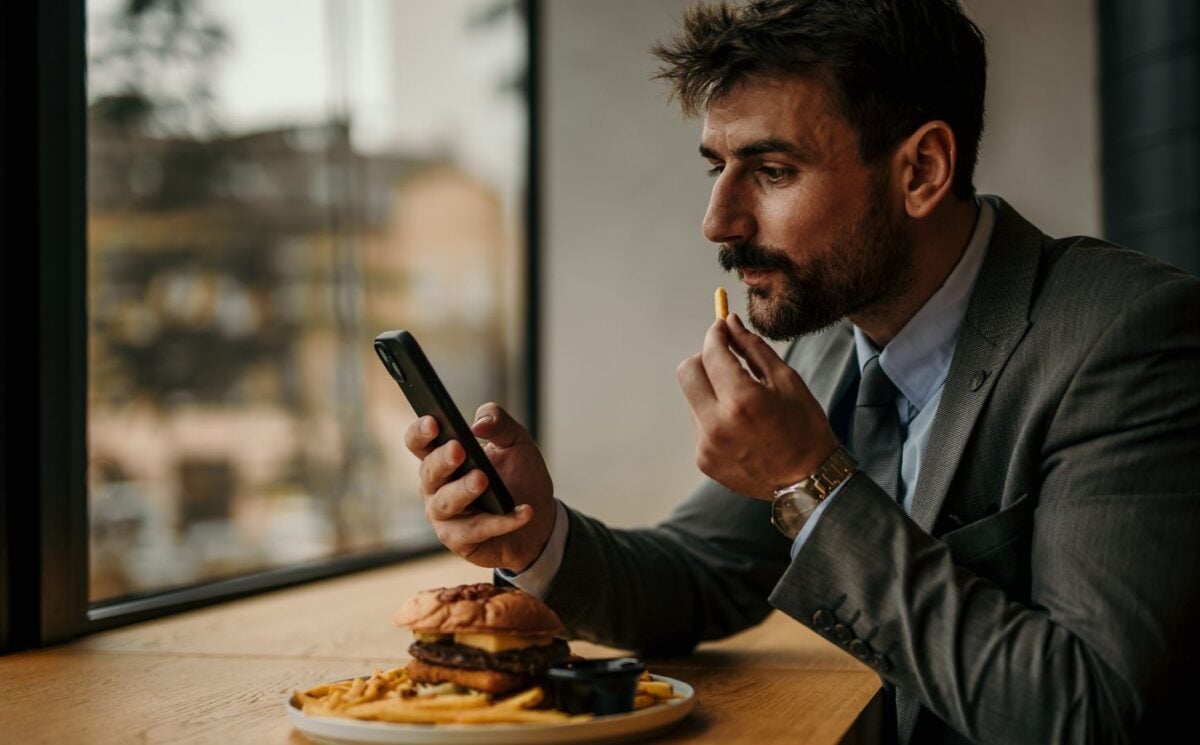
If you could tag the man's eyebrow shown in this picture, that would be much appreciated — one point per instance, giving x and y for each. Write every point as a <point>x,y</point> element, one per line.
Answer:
<point>762,147</point>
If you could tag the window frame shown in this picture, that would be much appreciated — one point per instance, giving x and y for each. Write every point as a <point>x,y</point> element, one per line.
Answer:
<point>44,560</point>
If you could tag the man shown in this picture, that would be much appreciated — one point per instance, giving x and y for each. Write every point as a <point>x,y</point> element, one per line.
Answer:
<point>1012,539</point>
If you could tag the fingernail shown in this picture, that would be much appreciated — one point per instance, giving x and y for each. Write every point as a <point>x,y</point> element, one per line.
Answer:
<point>484,419</point>
<point>521,510</point>
<point>427,427</point>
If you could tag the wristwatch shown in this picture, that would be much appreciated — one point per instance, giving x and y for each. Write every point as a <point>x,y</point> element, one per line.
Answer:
<point>793,504</point>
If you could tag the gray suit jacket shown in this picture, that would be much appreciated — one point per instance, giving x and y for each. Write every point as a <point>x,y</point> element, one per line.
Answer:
<point>1046,588</point>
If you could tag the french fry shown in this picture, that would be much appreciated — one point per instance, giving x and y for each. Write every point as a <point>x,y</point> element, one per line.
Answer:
<point>523,700</point>
<point>334,700</point>
<point>372,691</point>
<point>407,713</point>
<point>400,712</point>
<point>642,700</point>
<point>721,303</point>
<point>450,701</point>
<point>655,688</point>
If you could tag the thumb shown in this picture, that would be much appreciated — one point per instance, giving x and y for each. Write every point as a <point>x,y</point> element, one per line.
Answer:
<point>494,424</point>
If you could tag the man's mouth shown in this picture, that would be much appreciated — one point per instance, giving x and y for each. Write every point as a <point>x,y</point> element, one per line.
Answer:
<point>753,276</point>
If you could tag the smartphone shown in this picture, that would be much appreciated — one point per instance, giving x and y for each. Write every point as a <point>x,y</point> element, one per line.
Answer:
<point>409,367</point>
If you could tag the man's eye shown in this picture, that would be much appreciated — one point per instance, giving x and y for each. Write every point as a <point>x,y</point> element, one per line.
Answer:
<point>715,170</point>
<point>775,175</point>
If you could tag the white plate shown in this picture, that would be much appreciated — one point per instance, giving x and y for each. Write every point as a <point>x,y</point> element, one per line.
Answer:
<point>334,731</point>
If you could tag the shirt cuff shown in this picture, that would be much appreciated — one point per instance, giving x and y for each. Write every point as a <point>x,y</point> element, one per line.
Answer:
<point>536,580</point>
<point>811,523</point>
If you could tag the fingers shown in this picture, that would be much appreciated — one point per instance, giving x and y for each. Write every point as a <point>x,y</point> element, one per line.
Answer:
<point>451,499</point>
<point>724,370</point>
<point>462,533</point>
<point>763,360</point>
<point>486,526</point>
<point>439,465</point>
<point>494,424</point>
<point>420,435</point>
<point>693,380</point>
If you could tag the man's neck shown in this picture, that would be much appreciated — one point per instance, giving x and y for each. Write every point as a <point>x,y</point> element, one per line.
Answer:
<point>938,243</point>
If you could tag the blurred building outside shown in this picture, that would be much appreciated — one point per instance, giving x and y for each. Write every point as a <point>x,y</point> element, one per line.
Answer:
<point>238,418</point>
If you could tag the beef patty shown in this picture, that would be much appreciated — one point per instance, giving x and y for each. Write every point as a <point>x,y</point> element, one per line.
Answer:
<point>528,661</point>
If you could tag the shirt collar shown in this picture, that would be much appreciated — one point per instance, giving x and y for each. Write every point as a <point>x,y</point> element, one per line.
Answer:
<point>918,359</point>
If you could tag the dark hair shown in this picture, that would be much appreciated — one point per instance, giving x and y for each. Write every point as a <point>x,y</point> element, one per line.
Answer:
<point>894,64</point>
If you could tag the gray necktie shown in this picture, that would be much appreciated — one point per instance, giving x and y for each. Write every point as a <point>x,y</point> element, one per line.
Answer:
<point>875,443</point>
<point>875,437</point>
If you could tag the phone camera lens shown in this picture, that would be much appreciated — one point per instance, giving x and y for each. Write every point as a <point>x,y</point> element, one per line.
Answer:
<point>390,363</point>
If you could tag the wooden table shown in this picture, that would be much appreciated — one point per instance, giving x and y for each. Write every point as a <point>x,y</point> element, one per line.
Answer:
<point>222,674</point>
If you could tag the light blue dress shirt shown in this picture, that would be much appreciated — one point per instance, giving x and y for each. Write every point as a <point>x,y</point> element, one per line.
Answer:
<point>918,360</point>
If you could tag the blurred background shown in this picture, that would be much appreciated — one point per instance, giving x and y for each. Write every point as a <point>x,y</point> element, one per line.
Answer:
<point>270,185</point>
<point>274,182</point>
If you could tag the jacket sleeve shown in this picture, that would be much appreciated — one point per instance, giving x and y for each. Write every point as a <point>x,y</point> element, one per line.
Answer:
<point>704,573</point>
<point>1109,630</point>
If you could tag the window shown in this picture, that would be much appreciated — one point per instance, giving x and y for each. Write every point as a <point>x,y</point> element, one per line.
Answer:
<point>268,186</point>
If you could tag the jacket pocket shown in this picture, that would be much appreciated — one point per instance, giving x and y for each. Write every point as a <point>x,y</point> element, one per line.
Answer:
<point>998,533</point>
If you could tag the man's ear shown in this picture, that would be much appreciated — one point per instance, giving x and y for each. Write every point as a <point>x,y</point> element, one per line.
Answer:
<point>925,163</point>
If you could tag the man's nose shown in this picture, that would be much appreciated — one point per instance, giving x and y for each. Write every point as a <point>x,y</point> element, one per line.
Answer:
<point>727,219</point>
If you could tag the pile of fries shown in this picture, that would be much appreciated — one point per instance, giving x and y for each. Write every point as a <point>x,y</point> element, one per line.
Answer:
<point>392,697</point>
<point>651,692</point>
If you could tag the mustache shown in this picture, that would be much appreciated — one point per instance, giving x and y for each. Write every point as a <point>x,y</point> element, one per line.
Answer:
<point>740,256</point>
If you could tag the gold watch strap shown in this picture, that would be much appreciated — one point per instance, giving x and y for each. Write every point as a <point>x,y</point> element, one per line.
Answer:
<point>829,475</point>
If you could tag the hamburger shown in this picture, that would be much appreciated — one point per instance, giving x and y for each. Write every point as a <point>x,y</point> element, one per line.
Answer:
<point>482,637</point>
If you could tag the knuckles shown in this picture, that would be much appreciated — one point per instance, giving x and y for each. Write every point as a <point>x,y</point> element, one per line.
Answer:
<point>741,410</point>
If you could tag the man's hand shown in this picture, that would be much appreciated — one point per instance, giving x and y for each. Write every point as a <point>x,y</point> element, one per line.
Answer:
<point>755,432</point>
<point>511,541</point>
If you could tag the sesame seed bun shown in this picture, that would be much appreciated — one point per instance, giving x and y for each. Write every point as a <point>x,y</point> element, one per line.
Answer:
<point>478,609</point>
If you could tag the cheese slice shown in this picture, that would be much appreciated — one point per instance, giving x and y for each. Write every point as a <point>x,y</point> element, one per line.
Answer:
<point>423,636</point>
<point>500,642</point>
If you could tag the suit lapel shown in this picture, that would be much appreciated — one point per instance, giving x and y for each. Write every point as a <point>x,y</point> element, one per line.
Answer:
<point>997,317</point>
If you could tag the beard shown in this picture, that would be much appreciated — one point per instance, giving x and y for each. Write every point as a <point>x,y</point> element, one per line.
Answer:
<point>865,268</point>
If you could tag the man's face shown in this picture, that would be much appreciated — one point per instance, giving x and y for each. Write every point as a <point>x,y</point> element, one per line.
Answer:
<point>808,226</point>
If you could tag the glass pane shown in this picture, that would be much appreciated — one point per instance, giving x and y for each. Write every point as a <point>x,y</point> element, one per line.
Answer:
<point>271,184</point>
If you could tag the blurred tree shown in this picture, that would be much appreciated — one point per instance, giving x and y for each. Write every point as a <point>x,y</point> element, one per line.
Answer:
<point>150,68</point>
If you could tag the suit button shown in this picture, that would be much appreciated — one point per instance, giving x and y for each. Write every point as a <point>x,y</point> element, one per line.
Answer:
<point>977,380</point>
<point>823,620</point>
<point>879,662</point>
<point>842,633</point>
<point>859,649</point>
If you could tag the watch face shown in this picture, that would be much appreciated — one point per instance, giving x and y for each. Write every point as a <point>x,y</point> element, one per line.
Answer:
<point>789,512</point>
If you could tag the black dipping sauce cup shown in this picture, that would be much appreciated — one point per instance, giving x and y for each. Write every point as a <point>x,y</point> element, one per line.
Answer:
<point>596,686</point>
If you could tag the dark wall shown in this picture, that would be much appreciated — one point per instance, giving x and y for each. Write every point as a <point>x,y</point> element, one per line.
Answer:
<point>1150,109</point>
